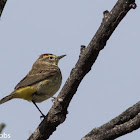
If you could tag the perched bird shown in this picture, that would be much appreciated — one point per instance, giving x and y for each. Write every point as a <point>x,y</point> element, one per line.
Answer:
<point>41,83</point>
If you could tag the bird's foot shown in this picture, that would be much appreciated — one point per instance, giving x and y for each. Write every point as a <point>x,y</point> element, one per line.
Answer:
<point>42,117</point>
<point>56,99</point>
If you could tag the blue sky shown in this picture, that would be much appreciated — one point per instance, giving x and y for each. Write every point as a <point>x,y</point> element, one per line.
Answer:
<point>30,28</point>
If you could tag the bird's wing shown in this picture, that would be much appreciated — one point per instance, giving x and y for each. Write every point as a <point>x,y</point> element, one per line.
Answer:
<point>36,75</point>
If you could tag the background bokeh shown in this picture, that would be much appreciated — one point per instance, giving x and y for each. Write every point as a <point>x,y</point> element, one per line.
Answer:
<point>29,28</point>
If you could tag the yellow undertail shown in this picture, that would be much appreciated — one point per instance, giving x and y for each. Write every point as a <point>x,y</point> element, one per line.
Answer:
<point>23,93</point>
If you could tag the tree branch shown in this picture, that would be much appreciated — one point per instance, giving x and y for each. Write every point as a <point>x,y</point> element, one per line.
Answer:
<point>127,122</point>
<point>2,4</point>
<point>57,113</point>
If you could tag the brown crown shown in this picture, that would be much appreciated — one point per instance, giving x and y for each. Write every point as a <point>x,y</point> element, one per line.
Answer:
<point>41,56</point>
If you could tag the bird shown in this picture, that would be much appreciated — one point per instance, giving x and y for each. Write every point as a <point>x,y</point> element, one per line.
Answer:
<point>42,81</point>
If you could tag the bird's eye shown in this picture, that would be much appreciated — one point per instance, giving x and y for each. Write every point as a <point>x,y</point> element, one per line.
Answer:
<point>50,57</point>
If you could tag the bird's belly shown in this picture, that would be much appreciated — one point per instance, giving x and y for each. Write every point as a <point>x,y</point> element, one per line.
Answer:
<point>46,89</point>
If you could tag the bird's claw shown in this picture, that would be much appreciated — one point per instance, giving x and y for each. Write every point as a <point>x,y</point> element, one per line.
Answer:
<point>54,99</point>
<point>42,116</point>
<point>57,99</point>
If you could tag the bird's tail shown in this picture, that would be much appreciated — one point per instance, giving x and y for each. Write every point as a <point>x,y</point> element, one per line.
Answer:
<point>22,93</point>
<point>7,98</point>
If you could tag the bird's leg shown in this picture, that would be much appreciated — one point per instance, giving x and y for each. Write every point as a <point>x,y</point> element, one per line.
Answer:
<point>43,116</point>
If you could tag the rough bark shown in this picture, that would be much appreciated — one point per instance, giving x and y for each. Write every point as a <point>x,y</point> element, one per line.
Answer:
<point>125,123</point>
<point>2,4</point>
<point>58,112</point>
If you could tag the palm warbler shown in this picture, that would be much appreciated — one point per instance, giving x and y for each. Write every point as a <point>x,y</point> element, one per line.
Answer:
<point>41,83</point>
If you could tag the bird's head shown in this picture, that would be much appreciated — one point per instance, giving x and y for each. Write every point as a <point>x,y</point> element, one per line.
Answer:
<point>50,58</point>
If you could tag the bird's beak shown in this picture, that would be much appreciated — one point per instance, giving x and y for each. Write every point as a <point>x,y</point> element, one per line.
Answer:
<point>59,57</point>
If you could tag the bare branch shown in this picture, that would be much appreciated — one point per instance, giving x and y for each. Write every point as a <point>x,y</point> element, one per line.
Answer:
<point>57,113</point>
<point>123,124</point>
<point>2,4</point>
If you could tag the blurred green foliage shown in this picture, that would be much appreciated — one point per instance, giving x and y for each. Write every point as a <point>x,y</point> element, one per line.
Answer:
<point>2,126</point>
